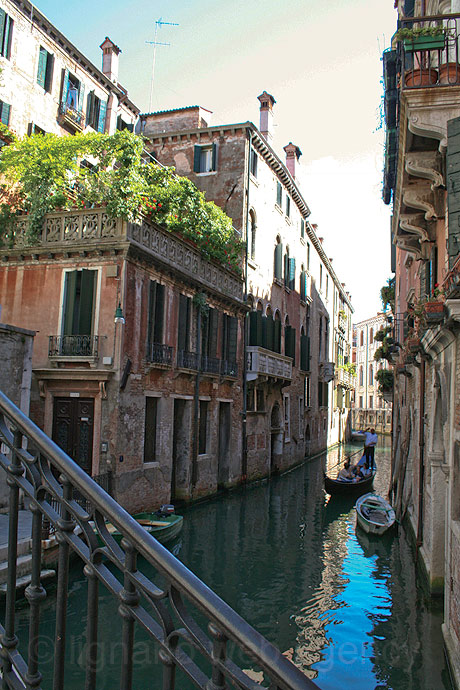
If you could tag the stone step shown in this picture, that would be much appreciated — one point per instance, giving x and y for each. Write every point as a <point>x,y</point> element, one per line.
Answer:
<point>23,565</point>
<point>25,580</point>
<point>24,546</point>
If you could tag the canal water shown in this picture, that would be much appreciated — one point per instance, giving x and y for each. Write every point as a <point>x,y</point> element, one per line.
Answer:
<point>345,607</point>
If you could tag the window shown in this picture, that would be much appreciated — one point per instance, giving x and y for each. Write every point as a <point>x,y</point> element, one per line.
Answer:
<point>288,206</point>
<point>203,427</point>
<point>150,429</point>
<point>302,228</point>
<point>253,163</point>
<point>6,31</point>
<point>305,352</point>
<point>371,375</point>
<point>229,338</point>
<point>289,342</point>
<point>308,256</point>
<point>307,396</point>
<point>371,401</point>
<point>183,330</point>
<point>260,400</point>
<point>252,235</point>
<point>121,125</point>
<point>205,158</point>
<point>361,402</point>
<point>79,295</point>
<point>32,128</point>
<point>255,400</point>
<point>209,327</point>
<point>327,286</point>
<point>301,416</point>
<point>250,400</point>
<point>5,111</point>
<point>45,69</point>
<point>371,336</point>
<point>361,377</point>
<point>287,416</point>
<point>95,112</point>
<point>155,314</point>
<point>279,194</point>
<point>321,276</point>
<point>361,339</point>
<point>72,97</point>
<point>278,272</point>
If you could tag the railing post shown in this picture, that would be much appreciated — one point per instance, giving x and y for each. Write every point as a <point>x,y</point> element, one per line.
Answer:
<point>9,640</point>
<point>169,671</point>
<point>35,594</point>
<point>128,597</point>
<point>219,653</point>
<point>91,628</point>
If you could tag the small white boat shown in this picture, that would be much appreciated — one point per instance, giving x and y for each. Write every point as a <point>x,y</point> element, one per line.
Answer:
<point>374,514</point>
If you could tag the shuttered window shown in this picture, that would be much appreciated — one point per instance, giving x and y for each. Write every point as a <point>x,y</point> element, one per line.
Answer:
<point>96,111</point>
<point>6,32</point>
<point>279,194</point>
<point>255,328</point>
<point>209,329</point>
<point>291,282</point>
<point>289,342</point>
<point>229,337</point>
<point>5,111</point>
<point>279,261</point>
<point>156,313</point>
<point>277,337</point>
<point>205,158</point>
<point>183,331</point>
<point>79,302</point>
<point>150,435</point>
<point>305,353</point>
<point>45,69</point>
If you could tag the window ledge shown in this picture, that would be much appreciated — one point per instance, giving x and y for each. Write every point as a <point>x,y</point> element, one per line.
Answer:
<point>302,240</point>
<point>252,263</point>
<point>279,209</point>
<point>260,412</point>
<point>151,465</point>
<point>205,174</point>
<point>254,179</point>
<point>288,220</point>
<point>279,282</point>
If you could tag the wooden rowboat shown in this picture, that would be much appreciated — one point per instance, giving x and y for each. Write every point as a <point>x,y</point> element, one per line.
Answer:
<point>162,528</point>
<point>374,514</point>
<point>336,486</point>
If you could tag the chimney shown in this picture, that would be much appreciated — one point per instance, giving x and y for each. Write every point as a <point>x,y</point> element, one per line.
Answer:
<point>293,154</point>
<point>110,53</point>
<point>266,115</point>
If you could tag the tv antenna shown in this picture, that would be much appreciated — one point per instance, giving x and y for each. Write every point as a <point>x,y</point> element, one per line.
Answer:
<point>158,24</point>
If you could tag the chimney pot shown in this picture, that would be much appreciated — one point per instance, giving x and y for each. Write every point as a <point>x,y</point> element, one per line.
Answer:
<point>266,115</point>
<point>110,53</point>
<point>293,154</point>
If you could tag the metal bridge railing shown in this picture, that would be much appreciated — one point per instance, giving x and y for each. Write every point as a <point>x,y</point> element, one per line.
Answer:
<point>170,612</point>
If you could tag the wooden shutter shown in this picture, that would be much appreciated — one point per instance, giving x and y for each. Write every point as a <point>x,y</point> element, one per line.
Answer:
<point>304,353</point>
<point>81,95</point>
<point>453,189</point>
<point>3,17</point>
<point>212,332</point>
<point>5,113</point>
<point>255,328</point>
<point>151,311</point>
<point>279,261</point>
<point>214,156</point>
<point>159,313</point>
<point>85,317</point>
<point>102,116</point>
<point>49,72</point>
<point>70,291</point>
<point>302,286</point>
<point>277,337</point>
<point>289,335</point>
<point>6,27</point>
<point>292,274</point>
<point>184,321</point>
<point>302,227</point>
<point>196,158</point>
<point>65,87</point>
<point>89,107</point>
<point>232,338</point>
<point>270,333</point>
<point>41,72</point>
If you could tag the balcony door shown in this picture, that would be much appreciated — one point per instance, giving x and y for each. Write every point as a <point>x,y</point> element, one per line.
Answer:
<point>78,313</point>
<point>73,423</point>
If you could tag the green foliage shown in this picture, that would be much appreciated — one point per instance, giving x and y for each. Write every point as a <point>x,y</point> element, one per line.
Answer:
<point>382,333</point>
<point>408,34</point>
<point>385,378</point>
<point>349,366</point>
<point>387,294</point>
<point>47,169</point>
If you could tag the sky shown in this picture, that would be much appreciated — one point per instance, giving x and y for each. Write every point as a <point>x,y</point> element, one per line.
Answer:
<point>320,59</point>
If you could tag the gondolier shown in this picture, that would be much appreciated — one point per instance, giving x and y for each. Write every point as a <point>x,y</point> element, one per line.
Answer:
<point>370,441</point>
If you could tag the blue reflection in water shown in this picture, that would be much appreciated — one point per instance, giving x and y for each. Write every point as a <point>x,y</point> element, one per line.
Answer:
<point>344,606</point>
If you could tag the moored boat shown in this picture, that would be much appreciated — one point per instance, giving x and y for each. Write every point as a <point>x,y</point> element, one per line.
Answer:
<point>163,527</point>
<point>374,514</point>
<point>338,486</point>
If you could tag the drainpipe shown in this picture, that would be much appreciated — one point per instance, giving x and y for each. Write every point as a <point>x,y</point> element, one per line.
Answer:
<point>244,458</point>
<point>421,466</point>
<point>196,400</point>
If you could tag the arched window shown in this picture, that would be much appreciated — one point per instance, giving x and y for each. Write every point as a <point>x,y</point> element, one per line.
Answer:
<point>361,338</point>
<point>278,268</point>
<point>361,376</point>
<point>371,336</point>
<point>286,267</point>
<point>371,375</point>
<point>252,226</point>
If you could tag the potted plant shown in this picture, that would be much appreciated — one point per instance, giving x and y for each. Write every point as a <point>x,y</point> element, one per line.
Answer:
<point>422,38</point>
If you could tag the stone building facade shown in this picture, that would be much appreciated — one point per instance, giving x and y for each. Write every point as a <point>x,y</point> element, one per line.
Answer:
<point>48,85</point>
<point>370,409</point>
<point>422,182</point>
<point>293,293</point>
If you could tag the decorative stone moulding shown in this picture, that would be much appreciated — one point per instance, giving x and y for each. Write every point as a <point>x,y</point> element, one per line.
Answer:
<point>426,165</point>
<point>421,197</point>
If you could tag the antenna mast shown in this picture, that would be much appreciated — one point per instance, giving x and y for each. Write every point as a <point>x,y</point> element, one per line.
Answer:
<point>159,23</point>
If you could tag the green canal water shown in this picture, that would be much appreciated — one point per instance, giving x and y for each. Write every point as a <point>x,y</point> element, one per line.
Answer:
<point>347,608</point>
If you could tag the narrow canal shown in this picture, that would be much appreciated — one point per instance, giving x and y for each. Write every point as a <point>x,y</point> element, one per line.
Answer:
<point>344,606</point>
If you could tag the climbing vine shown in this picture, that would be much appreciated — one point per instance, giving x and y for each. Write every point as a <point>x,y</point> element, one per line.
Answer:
<point>44,173</point>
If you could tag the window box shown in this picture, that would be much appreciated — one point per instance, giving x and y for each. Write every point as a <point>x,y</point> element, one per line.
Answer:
<point>416,43</point>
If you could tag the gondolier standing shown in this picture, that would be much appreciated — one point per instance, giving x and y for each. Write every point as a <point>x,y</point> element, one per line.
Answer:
<point>370,442</point>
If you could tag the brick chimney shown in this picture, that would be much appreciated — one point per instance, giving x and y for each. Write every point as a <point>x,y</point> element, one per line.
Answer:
<point>266,115</point>
<point>110,53</point>
<point>293,154</point>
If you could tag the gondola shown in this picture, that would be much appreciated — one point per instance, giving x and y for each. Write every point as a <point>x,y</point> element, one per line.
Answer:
<point>374,514</point>
<point>337,487</point>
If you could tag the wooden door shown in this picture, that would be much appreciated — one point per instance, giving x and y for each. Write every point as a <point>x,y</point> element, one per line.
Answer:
<point>73,422</point>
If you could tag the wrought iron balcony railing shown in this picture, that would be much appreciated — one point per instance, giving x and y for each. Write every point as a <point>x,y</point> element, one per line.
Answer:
<point>71,115</point>
<point>73,346</point>
<point>169,612</point>
<point>430,60</point>
<point>209,365</point>
<point>160,354</point>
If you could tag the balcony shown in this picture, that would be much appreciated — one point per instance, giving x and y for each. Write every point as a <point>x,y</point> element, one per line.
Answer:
<point>261,362</point>
<point>70,116</point>
<point>209,365</point>
<point>93,229</point>
<point>73,346</point>
<point>160,355</point>
<point>344,378</point>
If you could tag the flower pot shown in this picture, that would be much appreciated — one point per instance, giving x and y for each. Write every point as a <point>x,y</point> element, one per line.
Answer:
<point>434,312</point>
<point>449,73</point>
<point>420,77</point>
<point>424,43</point>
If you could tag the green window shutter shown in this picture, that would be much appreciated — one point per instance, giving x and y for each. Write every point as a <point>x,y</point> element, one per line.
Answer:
<point>196,158</point>
<point>70,291</point>
<point>5,113</point>
<point>302,227</point>
<point>214,156</point>
<point>65,87</point>
<point>213,328</point>
<point>293,343</point>
<point>8,35</point>
<point>102,116</point>
<point>85,318</point>
<point>151,311</point>
<point>49,72</point>
<point>277,337</point>
<point>255,328</point>
<point>270,333</point>
<point>304,354</point>
<point>453,189</point>
<point>81,95</point>
<point>159,313</point>
<point>302,286</point>
<point>184,323</point>
<point>279,261</point>
<point>264,333</point>
<point>292,274</point>
<point>89,107</point>
<point>3,17</point>
<point>41,72</point>
<point>232,338</point>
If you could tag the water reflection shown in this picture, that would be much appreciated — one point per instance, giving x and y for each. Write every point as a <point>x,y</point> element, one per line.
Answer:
<point>344,606</point>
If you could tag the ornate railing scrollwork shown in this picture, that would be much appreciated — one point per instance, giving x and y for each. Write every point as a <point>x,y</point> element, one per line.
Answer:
<point>167,613</point>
